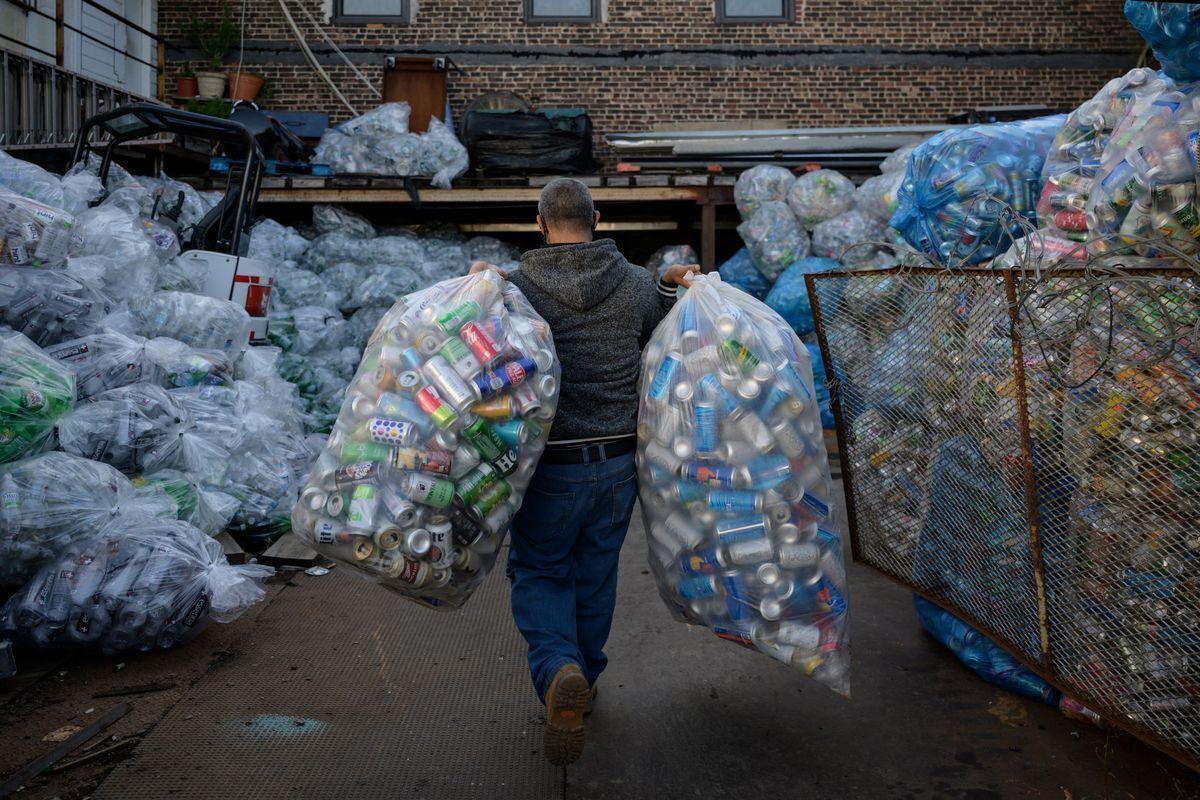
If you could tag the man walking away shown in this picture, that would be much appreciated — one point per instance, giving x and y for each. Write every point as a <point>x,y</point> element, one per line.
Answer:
<point>568,534</point>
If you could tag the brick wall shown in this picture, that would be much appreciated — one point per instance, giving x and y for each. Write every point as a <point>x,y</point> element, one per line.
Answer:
<point>842,62</point>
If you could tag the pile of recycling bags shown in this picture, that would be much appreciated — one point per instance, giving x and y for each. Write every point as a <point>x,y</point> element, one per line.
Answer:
<point>379,143</point>
<point>437,440</point>
<point>735,484</point>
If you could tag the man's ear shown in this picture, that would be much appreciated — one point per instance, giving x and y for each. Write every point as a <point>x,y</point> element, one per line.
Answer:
<point>596,220</point>
<point>542,226</point>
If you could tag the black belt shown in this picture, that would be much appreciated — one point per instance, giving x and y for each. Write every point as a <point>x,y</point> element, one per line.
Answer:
<point>588,453</point>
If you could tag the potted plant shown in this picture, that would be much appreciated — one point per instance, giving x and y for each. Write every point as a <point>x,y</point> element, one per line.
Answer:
<point>245,85</point>
<point>214,38</point>
<point>185,84</point>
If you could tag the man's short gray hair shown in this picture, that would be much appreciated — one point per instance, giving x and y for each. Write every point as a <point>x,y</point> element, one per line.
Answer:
<point>567,203</point>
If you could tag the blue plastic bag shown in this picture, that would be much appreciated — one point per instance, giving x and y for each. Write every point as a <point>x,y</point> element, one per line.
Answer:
<point>740,271</point>
<point>1173,31</point>
<point>789,296</point>
<point>982,655</point>
<point>943,210</point>
<point>820,387</point>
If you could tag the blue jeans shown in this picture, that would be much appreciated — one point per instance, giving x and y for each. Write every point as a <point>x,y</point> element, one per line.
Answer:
<point>566,540</point>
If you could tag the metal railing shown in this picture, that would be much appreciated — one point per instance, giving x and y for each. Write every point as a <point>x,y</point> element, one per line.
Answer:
<point>1022,448</point>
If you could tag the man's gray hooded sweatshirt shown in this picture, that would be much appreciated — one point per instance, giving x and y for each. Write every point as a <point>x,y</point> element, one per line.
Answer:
<point>601,310</point>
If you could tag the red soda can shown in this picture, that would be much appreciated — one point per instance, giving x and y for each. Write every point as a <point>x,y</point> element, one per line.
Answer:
<point>480,342</point>
<point>1070,220</point>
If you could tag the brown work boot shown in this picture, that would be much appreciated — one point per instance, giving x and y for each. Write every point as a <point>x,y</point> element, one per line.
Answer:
<point>566,702</point>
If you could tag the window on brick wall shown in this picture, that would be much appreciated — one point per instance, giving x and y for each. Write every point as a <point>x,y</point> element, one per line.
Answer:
<point>354,12</point>
<point>562,10</point>
<point>736,11</point>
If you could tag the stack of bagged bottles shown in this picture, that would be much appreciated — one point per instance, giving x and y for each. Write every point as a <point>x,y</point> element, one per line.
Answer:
<point>735,484</point>
<point>436,442</point>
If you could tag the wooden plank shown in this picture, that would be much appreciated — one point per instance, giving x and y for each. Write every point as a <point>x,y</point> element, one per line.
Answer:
<point>652,180</point>
<point>289,550</point>
<point>693,180</point>
<point>618,180</point>
<point>35,767</point>
<point>505,194</point>
<point>234,553</point>
<point>274,182</point>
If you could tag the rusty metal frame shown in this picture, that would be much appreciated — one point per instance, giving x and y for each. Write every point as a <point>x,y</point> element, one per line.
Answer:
<point>1043,668</point>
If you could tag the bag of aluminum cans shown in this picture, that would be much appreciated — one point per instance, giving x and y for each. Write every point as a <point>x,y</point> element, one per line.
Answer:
<point>49,305</point>
<point>1074,156</point>
<point>36,235</point>
<point>735,485</point>
<point>206,323</point>
<point>774,237</point>
<point>954,202</point>
<point>437,439</point>
<point>761,184</point>
<point>851,239</point>
<point>54,500</point>
<point>140,583</point>
<point>819,195</point>
<point>1173,31</point>
<point>35,390</point>
<point>1145,189</point>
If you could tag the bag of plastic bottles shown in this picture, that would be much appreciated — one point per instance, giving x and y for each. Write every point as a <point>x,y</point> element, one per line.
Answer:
<point>329,218</point>
<point>276,243</point>
<point>952,203</point>
<point>437,439</point>
<point>307,329</point>
<point>52,501</point>
<point>819,195</point>
<point>1173,31</point>
<point>740,271</point>
<point>774,237</point>
<point>1145,188</point>
<point>760,184</point>
<point>29,180</point>
<point>846,238</point>
<point>205,508</point>
<point>878,195</point>
<point>34,234</point>
<point>443,156</point>
<point>789,296</point>
<point>1074,156</point>
<point>205,323</point>
<point>671,255</point>
<point>139,584</point>
<point>35,391</point>
<point>49,305</point>
<point>734,482</point>
<point>982,655</point>
<point>387,119</point>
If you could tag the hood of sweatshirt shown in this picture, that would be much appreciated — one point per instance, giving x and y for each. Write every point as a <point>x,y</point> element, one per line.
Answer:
<point>579,276</point>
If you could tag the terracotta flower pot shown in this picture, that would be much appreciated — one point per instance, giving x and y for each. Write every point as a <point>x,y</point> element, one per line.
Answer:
<point>244,86</point>
<point>211,84</point>
<point>185,86</point>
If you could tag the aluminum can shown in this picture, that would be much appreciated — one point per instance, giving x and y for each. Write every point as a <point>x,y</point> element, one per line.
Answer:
<point>360,472</point>
<point>491,497</point>
<point>431,403</point>
<point>391,432</point>
<point>526,399</point>
<point>705,415</point>
<point>476,482</point>
<point>734,501</point>
<point>510,375</point>
<point>740,529</point>
<point>429,490</point>
<point>751,551</point>
<point>513,433</point>
<point>411,459</point>
<point>400,510</point>
<point>388,537</point>
<point>480,343</point>
<point>418,543</point>
<point>460,358</point>
<point>719,476</point>
<point>441,548</point>
<point>800,555</point>
<point>486,440</point>
<point>453,320</point>
<point>363,502</point>
<point>456,392</point>
<point>499,408</point>
<point>664,378</point>
<point>507,462</point>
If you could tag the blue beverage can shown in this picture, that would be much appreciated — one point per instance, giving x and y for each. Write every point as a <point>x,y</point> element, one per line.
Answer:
<point>737,600</point>
<point>689,492</point>
<point>692,587</point>
<point>660,387</point>
<point>719,476</point>
<point>829,598</point>
<point>706,428</point>
<point>705,561</point>
<point>512,374</point>
<point>711,387</point>
<point>768,471</point>
<point>816,505</point>
<point>734,501</point>
<point>411,358</point>
<point>741,529</point>
<point>787,375</point>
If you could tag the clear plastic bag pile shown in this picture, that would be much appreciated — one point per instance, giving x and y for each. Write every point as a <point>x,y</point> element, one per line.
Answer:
<point>34,234</point>
<point>734,483</point>
<point>953,200</point>
<point>765,183</point>
<point>140,583</point>
<point>774,237</point>
<point>820,195</point>
<point>379,142</point>
<point>437,439</point>
<point>35,391</point>
<point>1173,31</point>
<point>671,255</point>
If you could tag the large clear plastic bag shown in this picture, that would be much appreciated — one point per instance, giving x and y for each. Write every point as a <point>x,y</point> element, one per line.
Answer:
<point>898,160</point>
<point>343,278</point>
<point>671,255</point>
<point>397,155</point>
<point>202,507</point>
<point>383,284</point>
<point>443,157</point>
<point>789,296</point>
<point>820,195</point>
<point>173,365</point>
<point>54,500</point>
<point>765,183</point>
<point>121,283</point>
<point>1173,31</point>
<point>740,271</point>
<point>878,195</point>
<point>139,584</point>
<point>308,329</point>
<point>34,234</point>
<point>952,204</point>
<point>1146,186</point>
<point>775,238</point>
<point>102,361</point>
<point>31,181</point>
<point>333,248</point>
<point>491,250</point>
<point>273,242</point>
<point>734,482</point>
<point>299,287</point>
<point>363,324</point>
<point>329,218</point>
<point>1074,156</point>
<point>205,323</point>
<point>114,231</point>
<point>437,439</point>
<point>837,238</point>
<point>336,150</point>
<point>50,305</point>
<point>388,119</point>
<point>35,391</point>
<point>133,428</point>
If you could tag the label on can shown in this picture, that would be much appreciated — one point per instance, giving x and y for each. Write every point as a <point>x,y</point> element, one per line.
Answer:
<point>459,356</point>
<point>438,462</point>
<point>740,529</point>
<point>440,547</point>
<point>390,431</point>
<point>696,586</point>
<point>715,475</point>
<point>498,408</point>
<point>481,344</point>
<point>486,442</point>
<point>361,472</point>
<point>476,481</point>
<point>507,462</point>
<point>431,491</point>
<point>362,506</point>
<point>701,562</point>
<point>431,403</point>
<point>664,377</point>
<point>458,316</point>
<point>492,496</point>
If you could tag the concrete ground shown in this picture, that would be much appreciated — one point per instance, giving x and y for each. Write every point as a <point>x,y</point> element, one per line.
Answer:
<point>337,688</point>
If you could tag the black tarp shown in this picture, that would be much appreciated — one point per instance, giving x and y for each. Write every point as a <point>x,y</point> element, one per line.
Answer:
<point>552,140</point>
